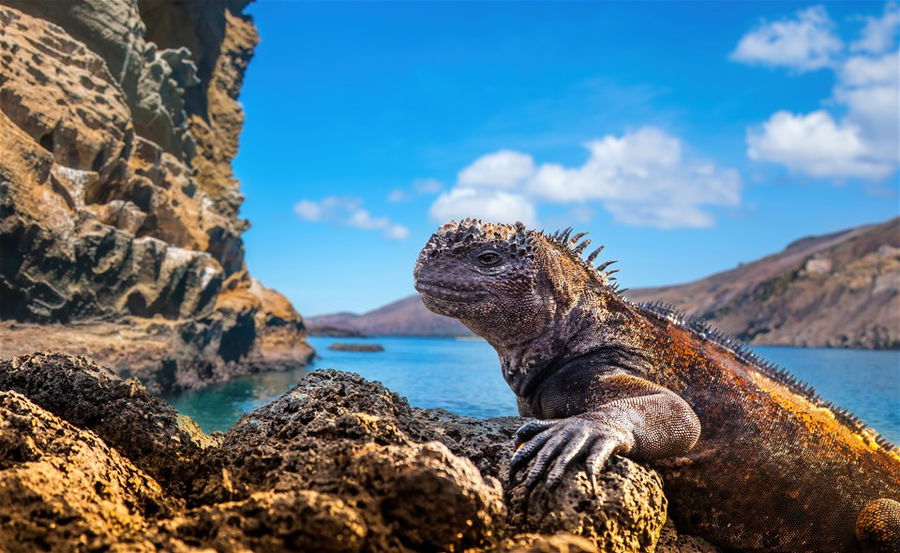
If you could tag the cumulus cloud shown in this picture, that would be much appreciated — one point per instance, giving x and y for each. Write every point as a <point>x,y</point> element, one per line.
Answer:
<point>879,34</point>
<point>859,137</point>
<point>490,205</point>
<point>815,145</point>
<point>804,43</point>
<point>348,212</point>
<point>643,178</point>
<point>503,169</point>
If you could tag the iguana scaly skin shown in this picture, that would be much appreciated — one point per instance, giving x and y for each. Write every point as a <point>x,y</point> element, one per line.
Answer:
<point>752,459</point>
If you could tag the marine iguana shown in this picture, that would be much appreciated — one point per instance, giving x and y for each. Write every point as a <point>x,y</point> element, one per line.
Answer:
<point>752,459</point>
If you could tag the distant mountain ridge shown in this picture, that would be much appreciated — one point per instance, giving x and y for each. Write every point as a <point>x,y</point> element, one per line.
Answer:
<point>836,290</point>
<point>405,317</point>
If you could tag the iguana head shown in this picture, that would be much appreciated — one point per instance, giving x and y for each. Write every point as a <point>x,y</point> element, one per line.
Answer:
<point>506,283</point>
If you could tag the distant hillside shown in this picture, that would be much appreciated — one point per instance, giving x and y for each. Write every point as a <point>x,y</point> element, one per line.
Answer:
<point>406,317</point>
<point>836,290</point>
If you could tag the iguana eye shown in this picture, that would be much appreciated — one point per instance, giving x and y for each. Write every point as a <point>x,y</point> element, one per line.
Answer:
<point>489,259</point>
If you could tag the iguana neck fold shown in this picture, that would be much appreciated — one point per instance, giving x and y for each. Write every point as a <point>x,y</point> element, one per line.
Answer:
<point>572,332</point>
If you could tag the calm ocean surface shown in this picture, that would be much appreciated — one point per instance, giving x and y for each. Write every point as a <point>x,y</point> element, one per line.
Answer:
<point>463,376</point>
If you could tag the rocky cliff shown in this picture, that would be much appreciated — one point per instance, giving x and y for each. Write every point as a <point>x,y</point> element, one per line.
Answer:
<point>118,207</point>
<point>91,462</point>
<point>836,290</point>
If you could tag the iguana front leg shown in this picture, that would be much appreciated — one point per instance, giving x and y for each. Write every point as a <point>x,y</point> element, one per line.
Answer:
<point>645,421</point>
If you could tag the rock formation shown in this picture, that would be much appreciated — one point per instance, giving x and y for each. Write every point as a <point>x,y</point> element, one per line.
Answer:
<point>118,206</point>
<point>91,462</point>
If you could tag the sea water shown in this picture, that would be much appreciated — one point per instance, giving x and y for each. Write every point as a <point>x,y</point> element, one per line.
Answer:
<point>463,376</point>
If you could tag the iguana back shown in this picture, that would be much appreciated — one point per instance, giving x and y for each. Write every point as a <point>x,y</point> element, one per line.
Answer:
<point>775,468</point>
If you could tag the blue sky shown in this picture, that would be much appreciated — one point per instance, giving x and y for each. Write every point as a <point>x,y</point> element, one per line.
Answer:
<point>687,137</point>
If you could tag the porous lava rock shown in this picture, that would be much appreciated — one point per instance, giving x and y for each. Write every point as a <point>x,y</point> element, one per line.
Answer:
<point>625,512</point>
<point>118,206</point>
<point>301,520</point>
<point>334,425</point>
<point>142,428</point>
<point>89,462</point>
<point>62,488</point>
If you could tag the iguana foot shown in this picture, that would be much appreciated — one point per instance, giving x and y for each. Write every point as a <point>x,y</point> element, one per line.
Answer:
<point>878,526</point>
<point>553,445</point>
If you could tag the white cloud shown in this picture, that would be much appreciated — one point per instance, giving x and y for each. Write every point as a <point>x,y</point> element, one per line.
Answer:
<point>490,205</point>
<point>870,70</point>
<point>396,232</point>
<point>348,212</point>
<point>879,34</point>
<point>645,166</point>
<point>642,178</point>
<point>861,137</point>
<point>870,90</point>
<point>309,211</point>
<point>503,169</point>
<point>815,145</point>
<point>804,43</point>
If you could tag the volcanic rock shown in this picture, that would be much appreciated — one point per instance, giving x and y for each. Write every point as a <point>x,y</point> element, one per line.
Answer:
<point>62,488</point>
<point>118,206</point>
<point>90,462</point>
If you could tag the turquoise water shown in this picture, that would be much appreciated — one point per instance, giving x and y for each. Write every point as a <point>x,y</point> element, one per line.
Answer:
<point>463,376</point>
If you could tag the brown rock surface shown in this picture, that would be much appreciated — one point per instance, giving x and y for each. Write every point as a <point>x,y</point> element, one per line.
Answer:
<point>89,462</point>
<point>625,513</point>
<point>837,290</point>
<point>146,430</point>
<point>395,461</point>
<point>117,199</point>
<point>62,488</point>
<point>538,543</point>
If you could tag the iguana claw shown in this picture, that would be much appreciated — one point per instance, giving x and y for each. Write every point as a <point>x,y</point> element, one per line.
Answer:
<point>552,446</point>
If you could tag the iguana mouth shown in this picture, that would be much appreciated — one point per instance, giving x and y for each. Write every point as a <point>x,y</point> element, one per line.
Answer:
<point>447,293</point>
